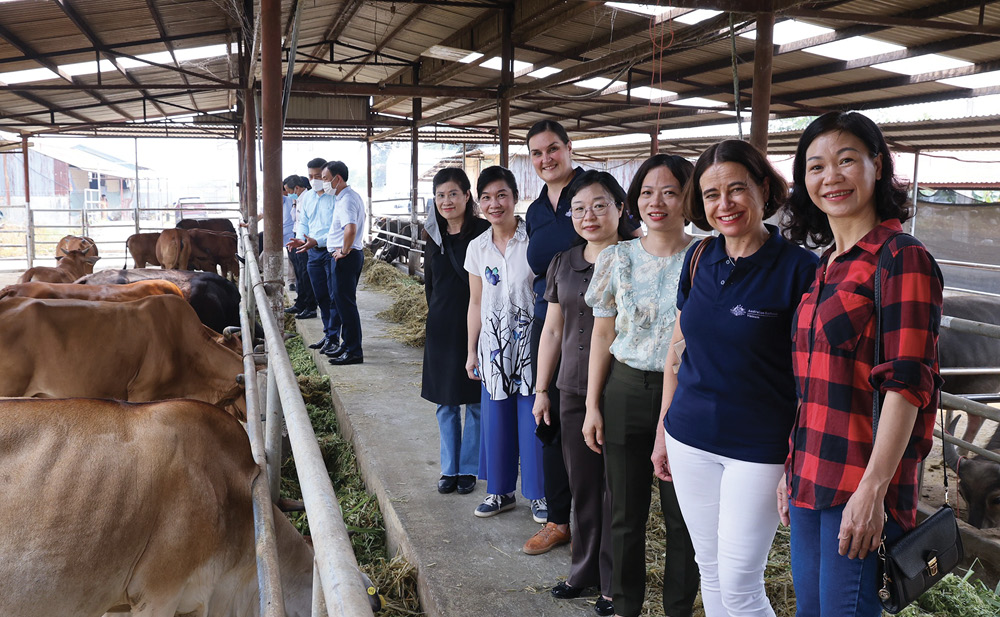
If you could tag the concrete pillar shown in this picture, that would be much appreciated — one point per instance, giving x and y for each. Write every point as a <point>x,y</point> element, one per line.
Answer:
<point>761,98</point>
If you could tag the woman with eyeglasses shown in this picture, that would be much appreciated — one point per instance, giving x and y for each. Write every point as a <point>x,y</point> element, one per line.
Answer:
<point>633,295</point>
<point>596,209</point>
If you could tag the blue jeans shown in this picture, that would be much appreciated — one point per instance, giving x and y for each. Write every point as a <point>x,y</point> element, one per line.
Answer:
<point>459,451</point>
<point>828,584</point>
<point>320,267</point>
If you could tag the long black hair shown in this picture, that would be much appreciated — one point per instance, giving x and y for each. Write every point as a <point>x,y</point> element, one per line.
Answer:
<point>458,176</point>
<point>804,222</point>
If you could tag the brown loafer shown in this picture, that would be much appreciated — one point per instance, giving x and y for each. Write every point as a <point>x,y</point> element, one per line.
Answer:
<point>545,540</point>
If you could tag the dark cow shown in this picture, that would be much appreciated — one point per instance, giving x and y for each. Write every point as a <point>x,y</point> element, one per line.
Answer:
<point>142,247</point>
<point>216,300</point>
<point>958,349</point>
<point>978,481</point>
<point>224,225</point>
<point>390,248</point>
<point>211,249</point>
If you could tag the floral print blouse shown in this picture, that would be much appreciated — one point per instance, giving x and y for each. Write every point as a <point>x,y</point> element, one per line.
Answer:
<point>507,312</point>
<point>640,291</point>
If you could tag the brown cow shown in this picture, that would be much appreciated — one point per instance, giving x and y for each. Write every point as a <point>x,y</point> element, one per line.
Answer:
<point>211,249</point>
<point>147,350</point>
<point>69,268</point>
<point>144,507</point>
<point>77,243</point>
<point>76,291</point>
<point>142,247</point>
<point>173,249</point>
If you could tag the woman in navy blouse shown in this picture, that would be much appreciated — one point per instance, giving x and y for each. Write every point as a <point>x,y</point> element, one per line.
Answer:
<point>728,411</point>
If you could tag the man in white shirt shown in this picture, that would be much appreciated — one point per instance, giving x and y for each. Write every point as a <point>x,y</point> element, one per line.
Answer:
<point>311,230</point>
<point>344,243</point>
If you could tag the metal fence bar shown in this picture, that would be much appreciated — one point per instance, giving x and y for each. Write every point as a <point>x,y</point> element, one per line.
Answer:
<point>951,401</point>
<point>971,370</point>
<point>268,575</point>
<point>970,327</point>
<point>971,447</point>
<point>969,264</point>
<point>342,585</point>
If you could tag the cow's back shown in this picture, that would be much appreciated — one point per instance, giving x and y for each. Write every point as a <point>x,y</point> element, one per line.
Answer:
<point>142,247</point>
<point>126,501</point>
<point>958,349</point>
<point>105,293</point>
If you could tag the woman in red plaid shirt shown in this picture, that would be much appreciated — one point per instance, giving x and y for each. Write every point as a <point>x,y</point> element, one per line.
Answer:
<point>841,488</point>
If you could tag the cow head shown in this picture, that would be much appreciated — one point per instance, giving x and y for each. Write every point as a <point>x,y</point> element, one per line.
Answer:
<point>233,402</point>
<point>978,483</point>
<point>83,244</point>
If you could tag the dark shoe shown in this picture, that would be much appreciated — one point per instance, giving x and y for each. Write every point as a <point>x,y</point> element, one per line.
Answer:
<point>320,344</point>
<point>604,607</point>
<point>545,539</point>
<point>332,349</point>
<point>565,591</point>
<point>292,310</point>
<point>344,359</point>
<point>495,504</point>
<point>305,315</point>
<point>466,484</point>
<point>447,484</point>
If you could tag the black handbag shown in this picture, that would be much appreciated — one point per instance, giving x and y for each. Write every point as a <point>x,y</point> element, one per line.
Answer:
<point>914,562</point>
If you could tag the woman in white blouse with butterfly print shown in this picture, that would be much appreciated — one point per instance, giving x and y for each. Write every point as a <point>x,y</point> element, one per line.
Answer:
<point>501,311</point>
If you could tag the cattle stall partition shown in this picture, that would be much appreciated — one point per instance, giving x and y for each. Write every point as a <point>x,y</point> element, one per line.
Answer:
<point>394,235</point>
<point>338,588</point>
<point>15,238</point>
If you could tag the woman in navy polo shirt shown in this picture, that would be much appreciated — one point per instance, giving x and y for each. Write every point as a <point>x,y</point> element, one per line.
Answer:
<point>730,408</point>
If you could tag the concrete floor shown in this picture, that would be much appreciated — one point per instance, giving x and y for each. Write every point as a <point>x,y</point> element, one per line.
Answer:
<point>465,565</point>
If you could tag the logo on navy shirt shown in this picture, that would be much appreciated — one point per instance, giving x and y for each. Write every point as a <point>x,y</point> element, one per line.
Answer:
<point>740,311</point>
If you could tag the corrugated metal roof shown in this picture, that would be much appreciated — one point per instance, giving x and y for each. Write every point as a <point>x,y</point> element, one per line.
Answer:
<point>377,45</point>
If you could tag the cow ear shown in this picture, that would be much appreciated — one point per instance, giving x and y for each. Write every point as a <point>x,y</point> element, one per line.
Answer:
<point>91,260</point>
<point>59,257</point>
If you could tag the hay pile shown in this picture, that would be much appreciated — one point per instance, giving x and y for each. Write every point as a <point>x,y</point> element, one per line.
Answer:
<point>953,596</point>
<point>409,305</point>
<point>394,577</point>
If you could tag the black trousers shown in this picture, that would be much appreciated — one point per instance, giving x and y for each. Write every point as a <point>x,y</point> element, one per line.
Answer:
<point>305,300</point>
<point>631,406</point>
<point>557,493</point>
<point>591,551</point>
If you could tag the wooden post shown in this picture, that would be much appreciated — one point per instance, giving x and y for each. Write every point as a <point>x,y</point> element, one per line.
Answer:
<point>30,249</point>
<point>506,82</point>
<point>414,256</point>
<point>271,129</point>
<point>654,142</point>
<point>761,98</point>
<point>250,152</point>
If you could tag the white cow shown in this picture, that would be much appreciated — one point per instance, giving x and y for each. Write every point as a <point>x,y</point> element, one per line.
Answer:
<point>133,506</point>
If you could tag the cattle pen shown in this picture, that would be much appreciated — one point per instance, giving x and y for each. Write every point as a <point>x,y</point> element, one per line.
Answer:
<point>627,79</point>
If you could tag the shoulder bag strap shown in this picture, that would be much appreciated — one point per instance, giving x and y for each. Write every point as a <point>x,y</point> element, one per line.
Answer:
<point>696,257</point>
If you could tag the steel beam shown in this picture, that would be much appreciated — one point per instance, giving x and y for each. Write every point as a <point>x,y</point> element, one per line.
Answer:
<point>384,42</point>
<point>895,21</point>
<point>342,18</point>
<point>140,43</point>
<point>341,88</point>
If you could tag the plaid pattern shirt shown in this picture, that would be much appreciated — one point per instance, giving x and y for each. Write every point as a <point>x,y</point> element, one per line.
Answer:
<point>833,359</point>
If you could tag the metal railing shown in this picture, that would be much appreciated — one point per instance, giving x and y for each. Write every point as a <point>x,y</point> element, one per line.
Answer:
<point>965,404</point>
<point>338,590</point>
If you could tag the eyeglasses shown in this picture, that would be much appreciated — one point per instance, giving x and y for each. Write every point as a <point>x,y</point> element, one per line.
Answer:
<point>598,210</point>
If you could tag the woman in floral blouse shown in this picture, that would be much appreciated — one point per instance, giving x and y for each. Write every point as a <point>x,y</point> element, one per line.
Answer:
<point>501,311</point>
<point>633,294</point>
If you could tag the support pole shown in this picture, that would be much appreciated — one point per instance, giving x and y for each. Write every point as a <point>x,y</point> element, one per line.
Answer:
<point>414,256</point>
<point>506,82</point>
<point>250,164</point>
<point>654,142</point>
<point>272,121</point>
<point>27,203</point>
<point>368,151</point>
<point>761,100</point>
<point>135,190</point>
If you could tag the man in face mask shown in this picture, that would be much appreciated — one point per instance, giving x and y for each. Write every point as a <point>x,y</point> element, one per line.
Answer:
<point>311,229</point>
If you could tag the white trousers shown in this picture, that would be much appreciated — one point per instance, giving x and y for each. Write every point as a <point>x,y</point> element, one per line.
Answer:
<point>730,511</point>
